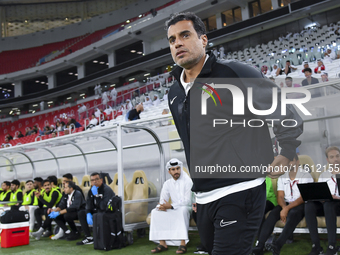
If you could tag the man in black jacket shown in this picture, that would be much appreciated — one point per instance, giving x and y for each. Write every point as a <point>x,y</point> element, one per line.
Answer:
<point>97,200</point>
<point>229,208</point>
<point>70,204</point>
<point>69,178</point>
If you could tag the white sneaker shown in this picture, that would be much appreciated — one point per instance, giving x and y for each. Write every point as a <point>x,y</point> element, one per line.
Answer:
<point>38,234</point>
<point>59,235</point>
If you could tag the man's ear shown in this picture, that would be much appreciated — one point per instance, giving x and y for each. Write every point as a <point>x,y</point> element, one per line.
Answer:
<point>204,40</point>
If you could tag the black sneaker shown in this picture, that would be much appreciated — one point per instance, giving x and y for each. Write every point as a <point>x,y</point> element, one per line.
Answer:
<point>316,250</point>
<point>273,248</point>
<point>331,250</point>
<point>47,233</point>
<point>73,236</point>
<point>257,251</point>
<point>86,240</point>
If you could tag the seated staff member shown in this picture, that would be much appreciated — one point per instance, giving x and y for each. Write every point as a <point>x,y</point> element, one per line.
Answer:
<point>54,182</point>
<point>290,209</point>
<point>6,192</point>
<point>30,202</point>
<point>97,200</point>
<point>48,198</point>
<point>16,192</point>
<point>69,178</point>
<point>329,209</point>
<point>71,203</point>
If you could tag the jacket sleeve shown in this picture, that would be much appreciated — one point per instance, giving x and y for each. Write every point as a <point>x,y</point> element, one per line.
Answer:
<point>77,203</point>
<point>8,196</point>
<point>262,100</point>
<point>108,193</point>
<point>89,202</point>
<point>19,196</point>
<point>62,205</point>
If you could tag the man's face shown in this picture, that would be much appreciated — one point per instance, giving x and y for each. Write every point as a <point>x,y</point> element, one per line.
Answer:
<point>14,187</point>
<point>175,172</point>
<point>308,74</point>
<point>96,181</point>
<point>67,189</point>
<point>64,180</point>
<point>333,158</point>
<point>305,65</point>
<point>287,63</point>
<point>319,63</point>
<point>36,184</point>
<point>28,186</point>
<point>186,47</point>
<point>324,77</point>
<point>4,186</point>
<point>289,83</point>
<point>47,186</point>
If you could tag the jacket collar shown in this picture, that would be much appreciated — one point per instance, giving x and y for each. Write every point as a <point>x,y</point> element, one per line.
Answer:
<point>206,68</point>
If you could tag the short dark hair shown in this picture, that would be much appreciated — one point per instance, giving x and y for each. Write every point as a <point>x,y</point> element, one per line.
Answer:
<point>53,179</point>
<point>289,78</point>
<point>96,173</point>
<point>71,184</point>
<point>44,181</point>
<point>29,181</point>
<point>288,61</point>
<point>307,70</point>
<point>38,179</point>
<point>68,176</point>
<point>15,182</point>
<point>197,22</point>
<point>7,183</point>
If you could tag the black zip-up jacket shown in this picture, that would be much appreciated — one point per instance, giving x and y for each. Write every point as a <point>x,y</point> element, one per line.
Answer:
<point>237,145</point>
<point>98,203</point>
<point>78,202</point>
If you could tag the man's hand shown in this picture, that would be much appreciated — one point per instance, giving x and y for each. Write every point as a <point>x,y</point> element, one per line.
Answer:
<point>49,210</point>
<point>278,167</point>
<point>94,190</point>
<point>194,207</point>
<point>37,194</point>
<point>165,206</point>
<point>335,197</point>
<point>283,214</point>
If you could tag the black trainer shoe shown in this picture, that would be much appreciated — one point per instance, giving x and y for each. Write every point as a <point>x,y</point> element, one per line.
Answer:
<point>47,233</point>
<point>331,250</point>
<point>273,248</point>
<point>257,251</point>
<point>316,250</point>
<point>86,240</point>
<point>73,236</point>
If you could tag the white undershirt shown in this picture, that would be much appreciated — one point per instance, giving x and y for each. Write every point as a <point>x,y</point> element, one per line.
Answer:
<point>187,85</point>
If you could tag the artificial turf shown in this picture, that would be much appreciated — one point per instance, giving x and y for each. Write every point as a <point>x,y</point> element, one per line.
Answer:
<point>141,246</point>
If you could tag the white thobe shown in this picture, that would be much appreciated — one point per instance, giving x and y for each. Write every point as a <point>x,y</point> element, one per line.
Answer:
<point>172,225</point>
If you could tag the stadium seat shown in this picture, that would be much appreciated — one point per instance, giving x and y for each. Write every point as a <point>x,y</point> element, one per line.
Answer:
<point>85,185</point>
<point>137,189</point>
<point>75,180</point>
<point>114,185</point>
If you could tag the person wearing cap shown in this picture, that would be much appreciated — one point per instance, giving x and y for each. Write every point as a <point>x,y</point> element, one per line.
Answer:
<point>324,76</point>
<point>170,221</point>
<point>321,67</point>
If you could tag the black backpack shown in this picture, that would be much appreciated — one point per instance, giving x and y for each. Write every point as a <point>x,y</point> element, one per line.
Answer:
<point>114,216</point>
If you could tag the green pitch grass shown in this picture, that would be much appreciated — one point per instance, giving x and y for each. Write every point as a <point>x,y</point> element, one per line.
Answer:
<point>141,246</point>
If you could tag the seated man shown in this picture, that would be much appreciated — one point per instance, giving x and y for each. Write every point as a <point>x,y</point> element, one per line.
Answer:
<point>93,122</point>
<point>329,209</point>
<point>289,68</point>
<point>6,192</point>
<point>71,203</point>
<point>16,192</point>
<point>69,178</point>
<point>97,199</point>
<point>30,202</point>
<point>54,182</point>
<point>290,209</point>
<point>170,222</point>
<point>134,113</point>
<point>47,198</point>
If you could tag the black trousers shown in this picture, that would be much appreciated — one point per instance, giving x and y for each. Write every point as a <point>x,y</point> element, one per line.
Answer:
<point>295,215</point>
<point>69,217</point>
<point>38,213</point>
<point>229,225</point>
<point>83,223</point>
<point>329,209</point>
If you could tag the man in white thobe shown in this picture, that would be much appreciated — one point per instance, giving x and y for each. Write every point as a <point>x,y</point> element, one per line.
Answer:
<point>170,222</point>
